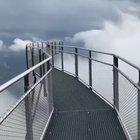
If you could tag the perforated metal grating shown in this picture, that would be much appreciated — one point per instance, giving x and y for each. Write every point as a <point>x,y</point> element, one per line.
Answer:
<point>80,114</point>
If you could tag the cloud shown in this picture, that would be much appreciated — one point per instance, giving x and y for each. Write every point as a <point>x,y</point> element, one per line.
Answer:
<point>19,45</point>
<point>121,38</point>
<point>1,44</point>
<point>53,18</point>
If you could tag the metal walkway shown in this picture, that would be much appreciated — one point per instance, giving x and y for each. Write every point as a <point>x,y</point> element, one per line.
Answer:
<point>80,114</point>
<point>98,100</point>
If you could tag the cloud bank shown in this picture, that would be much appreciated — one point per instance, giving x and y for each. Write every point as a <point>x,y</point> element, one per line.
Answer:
<point>18,45</point>
<point>122,38</point>
<point>57,18</point>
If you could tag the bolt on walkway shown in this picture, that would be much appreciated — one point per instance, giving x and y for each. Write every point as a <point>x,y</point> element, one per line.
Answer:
<point>80,114</point>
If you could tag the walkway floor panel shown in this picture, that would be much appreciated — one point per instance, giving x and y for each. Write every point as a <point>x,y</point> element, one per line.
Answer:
<point>80,114</point>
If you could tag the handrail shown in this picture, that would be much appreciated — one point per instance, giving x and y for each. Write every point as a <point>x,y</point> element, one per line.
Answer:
<point>129,79</point>
<point>23,97</point>
<point>41,50</point>
<point>90,58</point>
<point>100,52</point>
<point>128,62</point>
<point>36,95</point>
<point>112,54</point>
<point>68,46</point>
<point>20,76</point>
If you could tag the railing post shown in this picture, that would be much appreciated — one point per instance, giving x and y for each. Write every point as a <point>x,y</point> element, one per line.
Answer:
<point>40,59</point>
<point>115,83</point>
<point>52,53</point>
<point>27,58</point>
<point>48,49</point>
<point>50,87</point>
<point>48,65</point>
<point>43,66</point>
<point>33,63</point>
<point>62,57</point>
<point>90,71</point>
<point>76,62</point>
<point>28,111</point>
<point>44,71</point>
<point>55,47</point>
<point>32,55</point>
<point>59,47</point>
<point>42,45</point>
<point>139,109</point>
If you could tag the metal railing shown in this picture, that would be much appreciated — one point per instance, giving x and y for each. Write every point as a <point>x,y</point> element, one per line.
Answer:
<point>106,75</point>
<point>27,99</point>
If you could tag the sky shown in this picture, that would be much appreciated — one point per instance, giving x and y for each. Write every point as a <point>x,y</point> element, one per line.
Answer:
<point>47,19</point>
<point>92,22</point>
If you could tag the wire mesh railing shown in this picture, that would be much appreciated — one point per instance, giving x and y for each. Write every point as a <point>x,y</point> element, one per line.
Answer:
<point>28,104</point>
<point>128,105</point>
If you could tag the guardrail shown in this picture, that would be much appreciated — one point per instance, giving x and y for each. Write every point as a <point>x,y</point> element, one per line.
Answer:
<point>104,73</point>
<point>105,77</point>
<point>28,101</point>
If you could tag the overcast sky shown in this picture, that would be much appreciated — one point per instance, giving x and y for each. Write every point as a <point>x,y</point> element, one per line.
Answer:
<point>57,18</point>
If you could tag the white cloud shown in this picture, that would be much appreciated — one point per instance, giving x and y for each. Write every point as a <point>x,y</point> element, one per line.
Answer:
<point>19,45</point>
<point>41,18</point>
<point>1,44</point>
<point>122,38</point>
